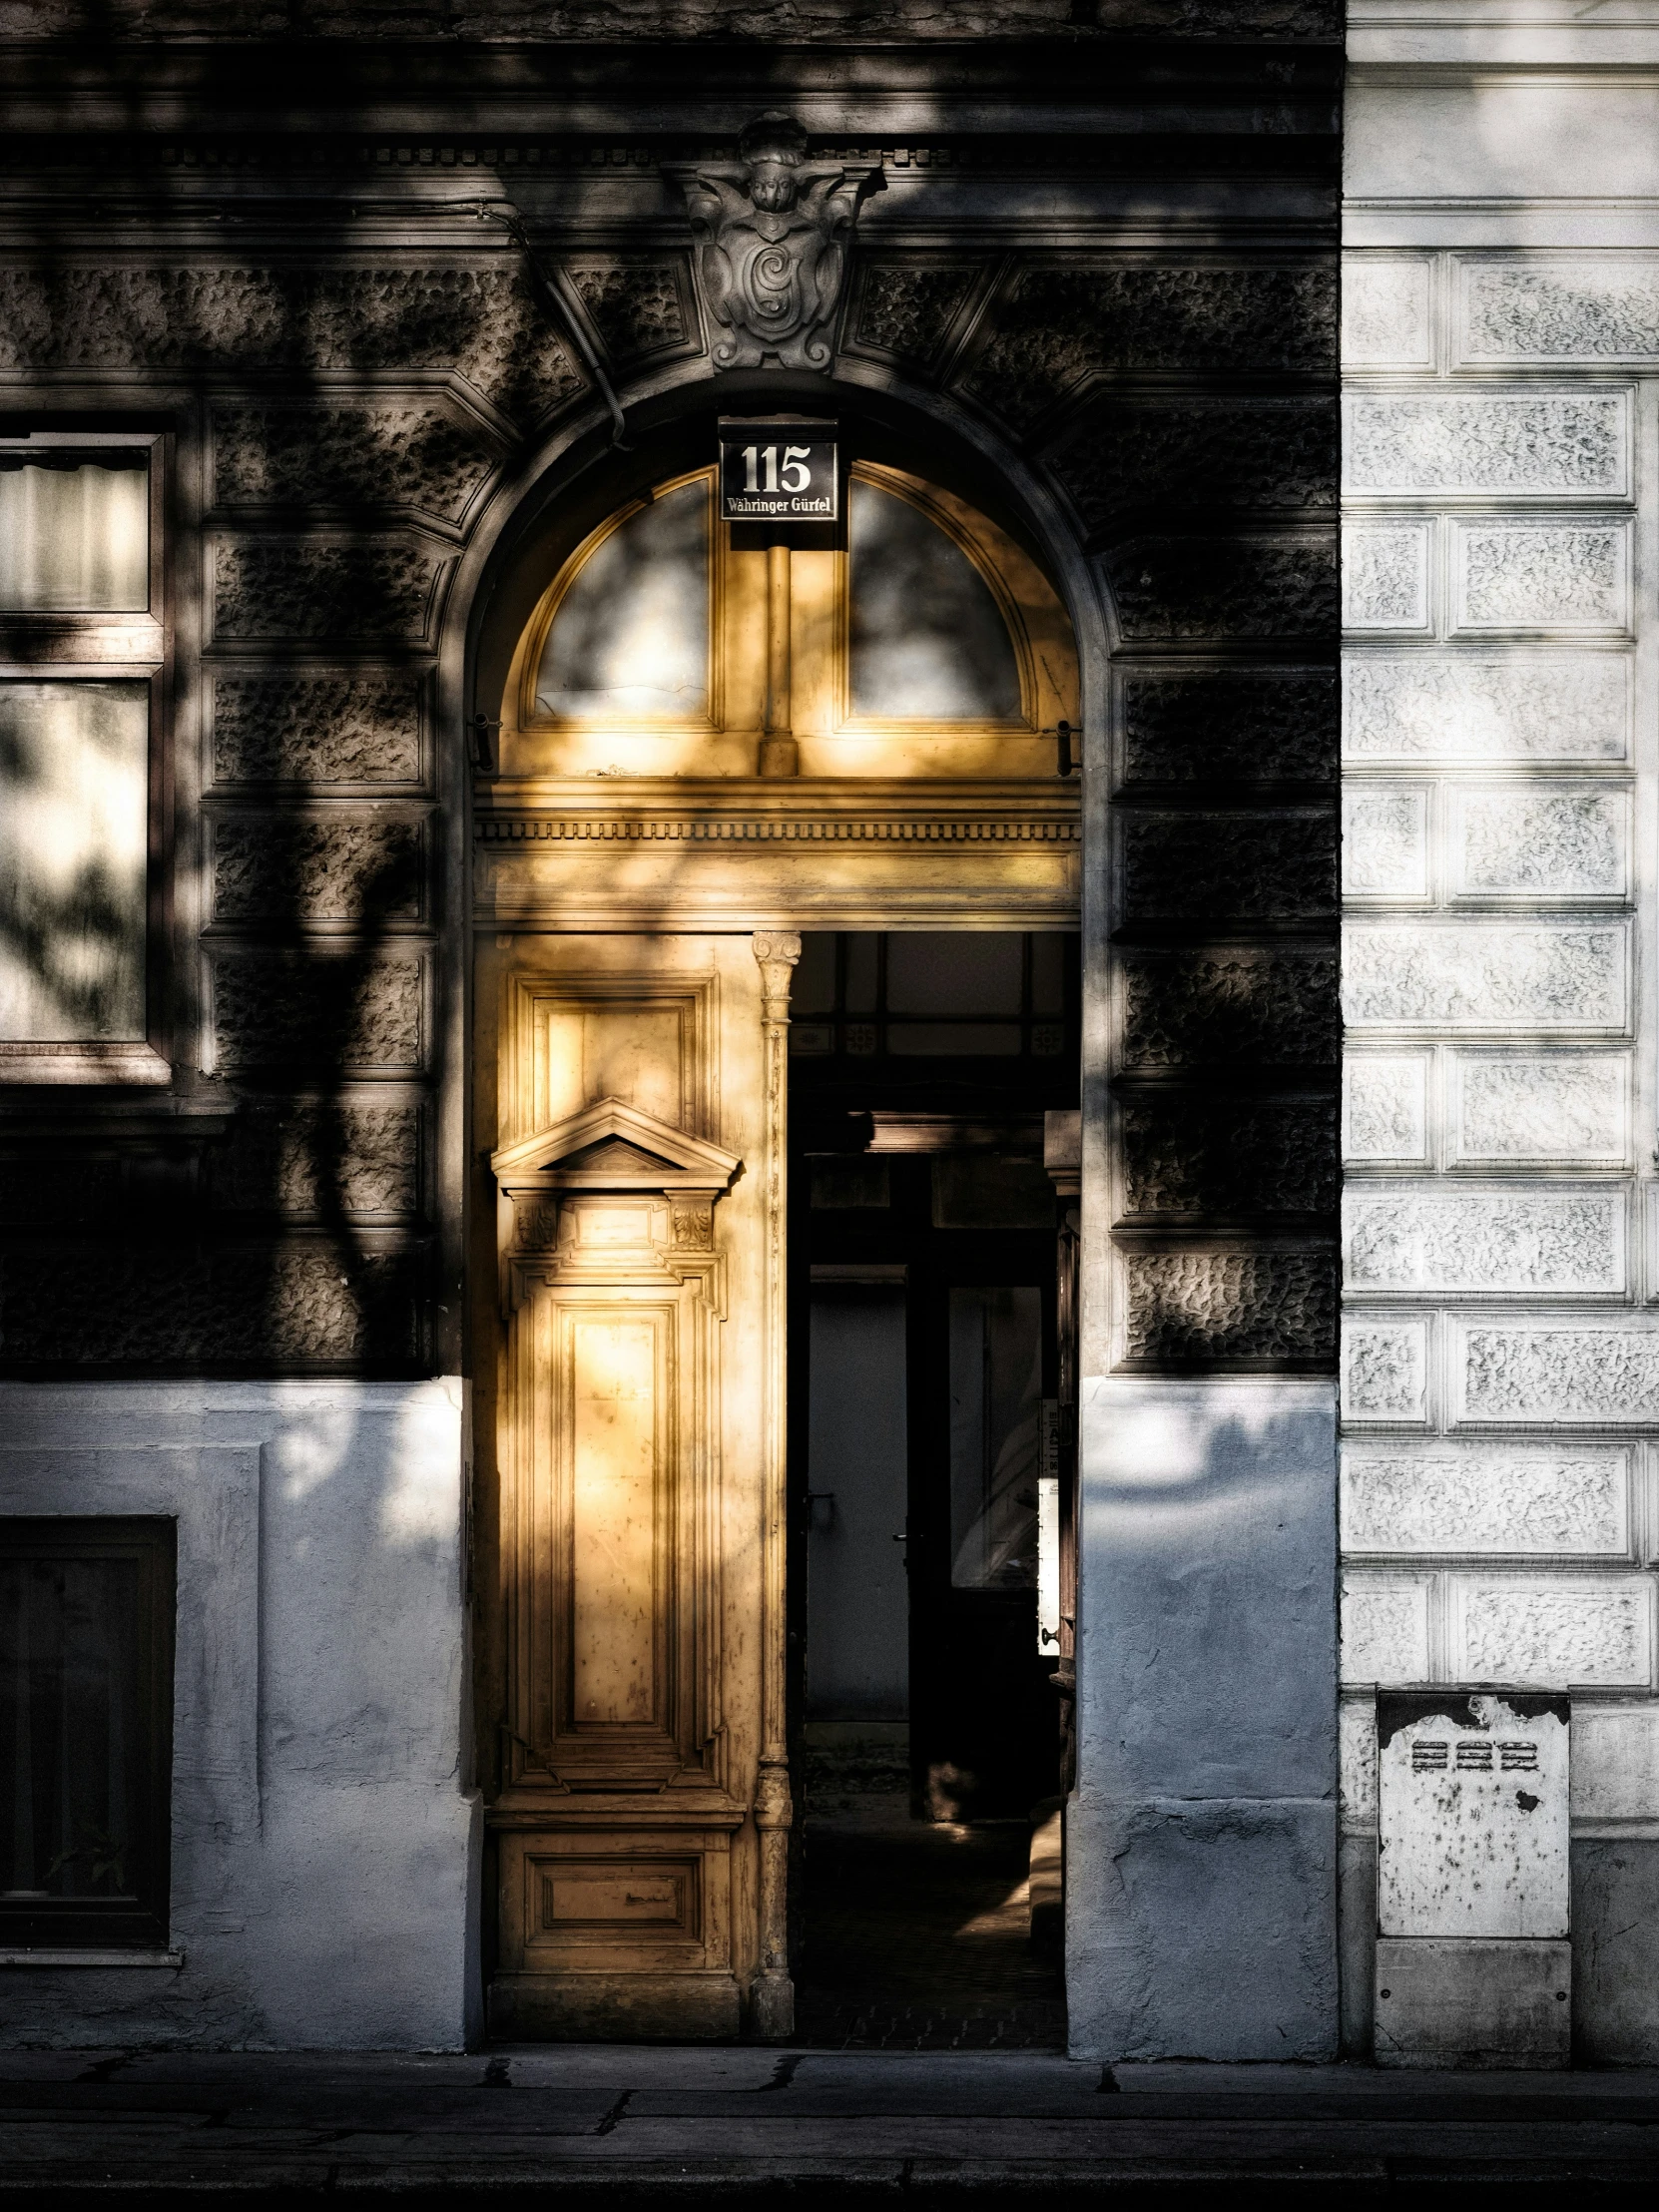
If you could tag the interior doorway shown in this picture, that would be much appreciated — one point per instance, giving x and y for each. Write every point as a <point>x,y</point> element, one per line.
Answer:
<point>926,1385</point>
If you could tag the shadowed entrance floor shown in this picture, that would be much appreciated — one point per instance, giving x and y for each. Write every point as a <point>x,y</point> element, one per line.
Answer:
<point>918,1937</point>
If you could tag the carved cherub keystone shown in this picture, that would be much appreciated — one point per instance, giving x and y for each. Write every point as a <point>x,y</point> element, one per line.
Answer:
<point>771,233</point>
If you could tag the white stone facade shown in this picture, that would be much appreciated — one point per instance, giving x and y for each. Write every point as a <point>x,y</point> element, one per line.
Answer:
<point>1500,1351</point>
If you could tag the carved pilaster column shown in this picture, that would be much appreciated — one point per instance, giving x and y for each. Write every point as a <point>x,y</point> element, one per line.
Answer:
<point>776,950</point>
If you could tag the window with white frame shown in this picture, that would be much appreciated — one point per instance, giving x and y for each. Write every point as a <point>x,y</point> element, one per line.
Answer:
<point>79,656</point>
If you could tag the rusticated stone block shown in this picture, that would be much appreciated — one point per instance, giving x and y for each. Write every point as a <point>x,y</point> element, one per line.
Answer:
<point>1436,1241</point>
<point>276,867</point>
<point>318,1157</point>
<point>1535,442</point>
<point>1272,725</point>
<point>57,1194</point>
<point>244,1307</point>
<point>483,324</point>
<point>637,306</point>
<point>1261,1007</point>
<point>1603,1372</point>
<point>1552,1635</point>
<point>339,1010</point>
<point>905,310</point>
<point>1385,1633</point>
<point>1252,867</point>
<point>1385,577</point>
<point>1524,707</point>
<point>1186,1155</point>
<point>1547,574</point>
<point>1060,326</point>
<point>1150,456</point>
<point>1484,975</point>
<point>1385,313</point>
<point>1488,1498</point>
<point>323,729</point>
<point>1602,308</point>
<point>1232,587</point>
<point>1231,1308</point>
<point>1385,842</point>
<point>1556,842</point>
<point>1570,1107</point>
<point>382,589</point>
<point>1384,1370</point>
<point>382,454</point>
<point>1385,1107</point>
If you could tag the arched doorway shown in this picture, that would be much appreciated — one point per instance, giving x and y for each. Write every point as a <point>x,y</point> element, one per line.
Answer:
<point>724,760</point>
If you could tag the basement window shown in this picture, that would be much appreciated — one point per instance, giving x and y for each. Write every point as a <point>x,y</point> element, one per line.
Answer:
<point>86,1723</point>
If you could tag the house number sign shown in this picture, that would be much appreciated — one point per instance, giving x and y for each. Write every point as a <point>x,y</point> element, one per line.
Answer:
<point>778,469</point>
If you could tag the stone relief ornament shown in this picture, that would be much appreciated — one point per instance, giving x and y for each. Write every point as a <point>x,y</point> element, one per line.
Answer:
<point>771,231</point>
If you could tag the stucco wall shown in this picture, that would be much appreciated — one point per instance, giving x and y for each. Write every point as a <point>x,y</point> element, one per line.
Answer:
<point>324,1834</point>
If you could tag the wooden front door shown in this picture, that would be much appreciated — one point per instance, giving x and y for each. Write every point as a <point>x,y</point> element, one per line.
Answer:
<point>639,887</point>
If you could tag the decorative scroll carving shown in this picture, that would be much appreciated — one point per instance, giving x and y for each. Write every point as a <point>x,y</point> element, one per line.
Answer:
<point>771,234</point>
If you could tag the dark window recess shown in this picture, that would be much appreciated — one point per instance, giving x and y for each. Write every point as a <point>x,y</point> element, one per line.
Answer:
<point>934,995</point>
<point>86,1719</point>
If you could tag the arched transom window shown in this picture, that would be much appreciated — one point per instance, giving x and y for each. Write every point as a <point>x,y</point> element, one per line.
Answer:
<point>926,643</point>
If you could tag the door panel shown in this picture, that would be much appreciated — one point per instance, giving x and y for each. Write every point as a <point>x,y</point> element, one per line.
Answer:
<point>628,1483</point>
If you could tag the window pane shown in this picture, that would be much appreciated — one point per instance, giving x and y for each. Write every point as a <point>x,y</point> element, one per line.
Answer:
<point>1048,974</point>
<point>72,1734</point>
<point>75,534</point>
<point>995,1437</point>
<point>953,1041</point>
<point>953,972</point>
<point>814,974</point>
<point>73,834</point>
<point>631,637</point>
<point>929,641</point>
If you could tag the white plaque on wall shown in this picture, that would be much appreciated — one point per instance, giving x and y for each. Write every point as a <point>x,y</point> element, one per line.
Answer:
<point>1471,1814</point>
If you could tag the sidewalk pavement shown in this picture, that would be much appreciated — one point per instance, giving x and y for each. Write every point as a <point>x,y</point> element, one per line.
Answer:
<point>635,2124</point>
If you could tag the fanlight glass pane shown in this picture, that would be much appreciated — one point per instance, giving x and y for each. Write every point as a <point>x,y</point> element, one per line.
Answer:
<point>75,534</point>
<point>73,836</point>
<point>928,640</point>
<point>631,637</point>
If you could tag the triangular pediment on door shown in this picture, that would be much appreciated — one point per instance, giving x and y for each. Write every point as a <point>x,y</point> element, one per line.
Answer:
<point>611,1146</point>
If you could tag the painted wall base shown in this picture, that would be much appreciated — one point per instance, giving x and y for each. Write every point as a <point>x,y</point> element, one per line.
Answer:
<point>1201,1840</point>
<point>325,1846</point>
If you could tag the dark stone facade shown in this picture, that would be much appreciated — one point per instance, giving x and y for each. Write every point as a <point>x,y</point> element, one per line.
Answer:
<point>264,240</point>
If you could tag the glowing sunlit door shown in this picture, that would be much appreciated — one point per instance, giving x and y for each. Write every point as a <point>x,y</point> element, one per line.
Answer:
<point>674,678</point>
